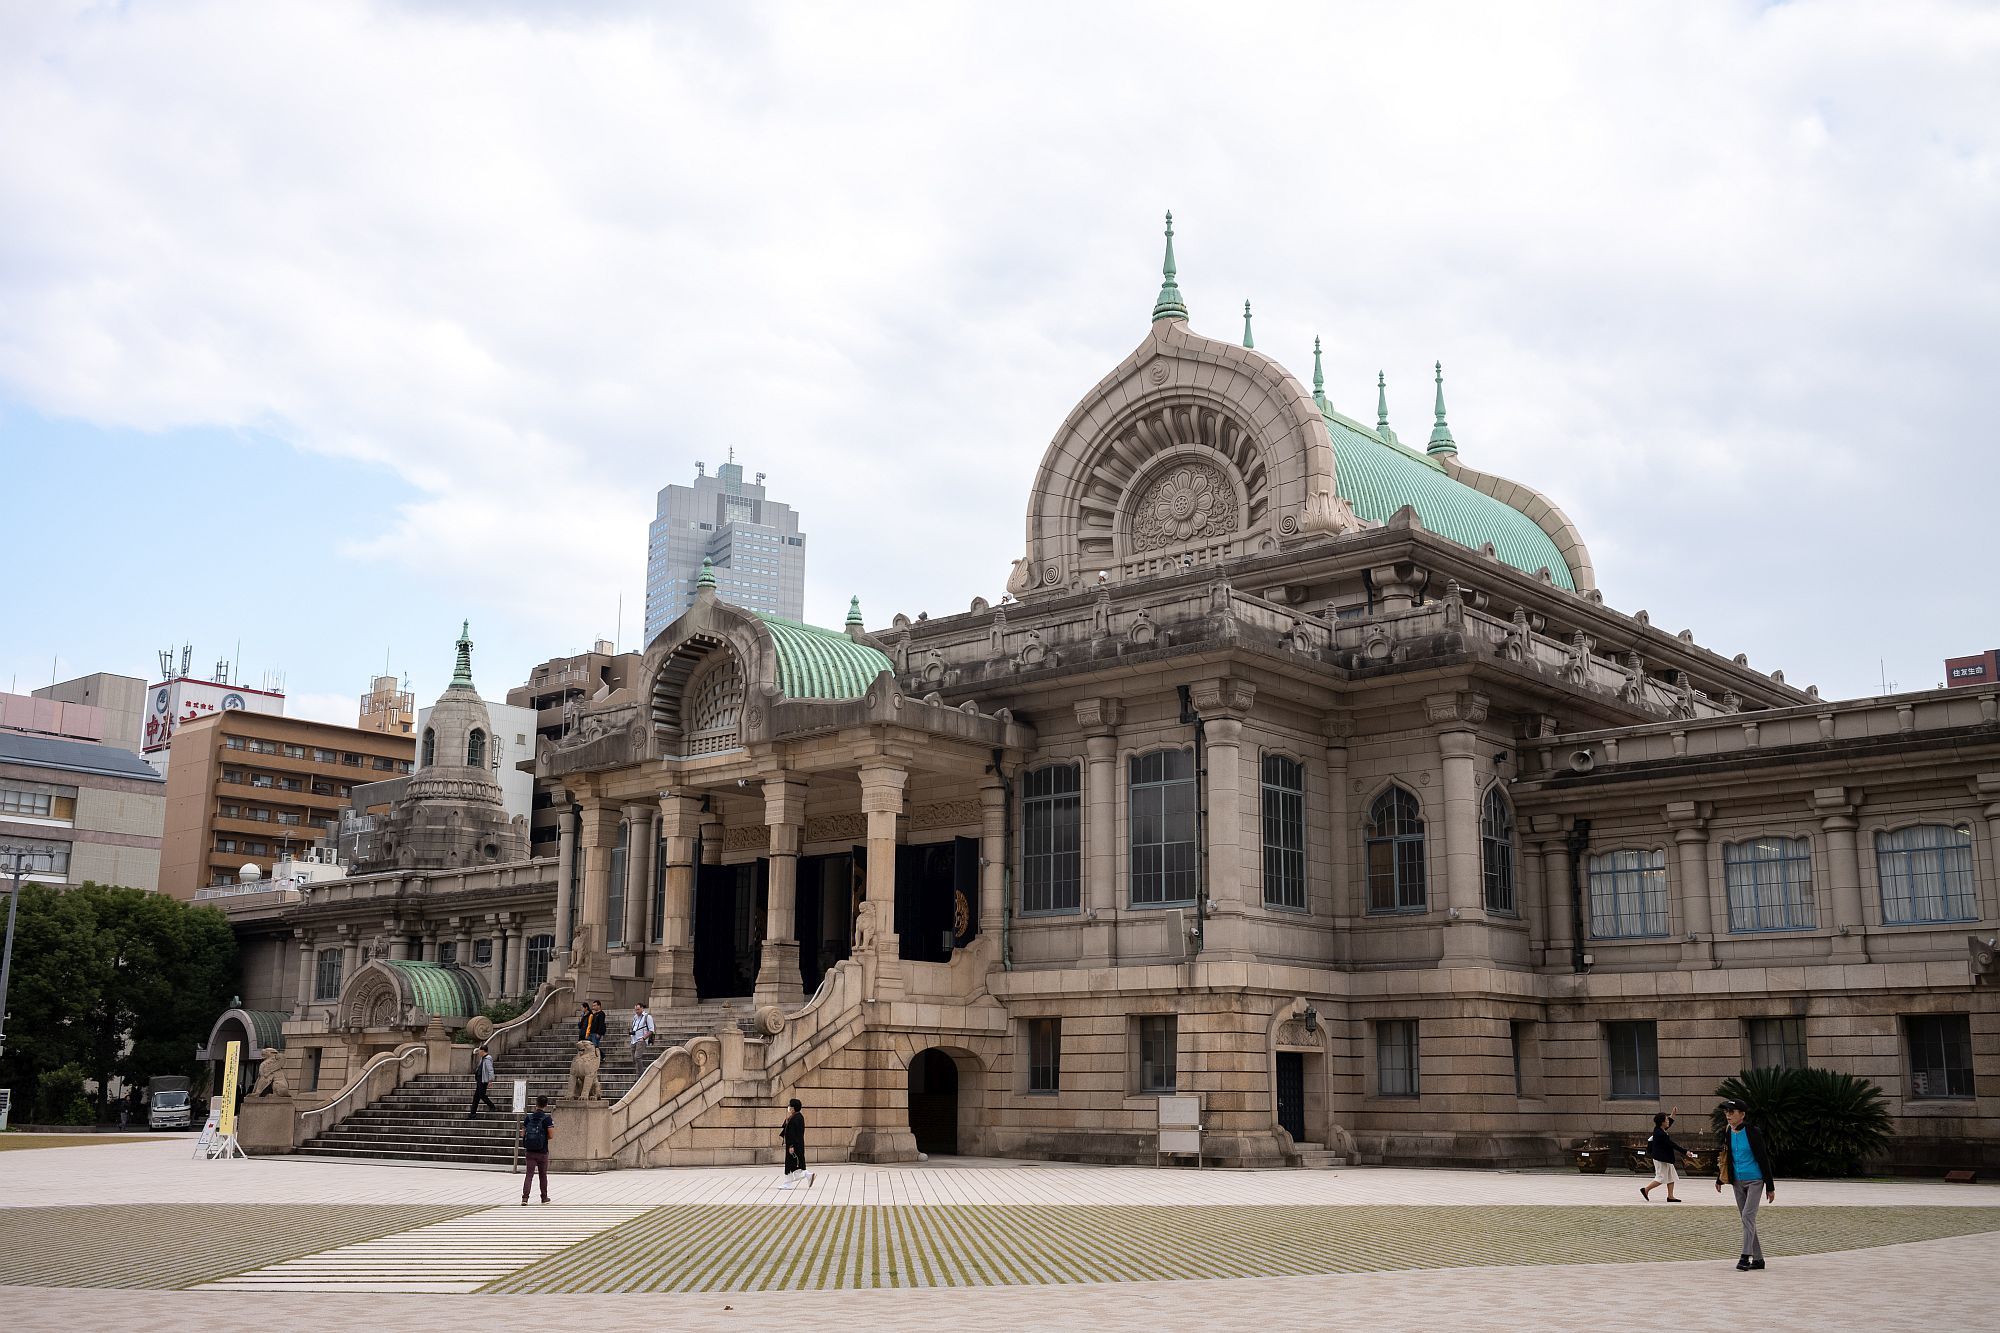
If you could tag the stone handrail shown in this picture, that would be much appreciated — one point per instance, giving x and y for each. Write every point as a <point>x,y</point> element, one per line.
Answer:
<point>526,1026</point>
<point>398,1058</point>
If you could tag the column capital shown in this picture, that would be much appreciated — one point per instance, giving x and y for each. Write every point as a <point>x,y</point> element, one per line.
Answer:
<point>1986,785</point>
<point>882,786</point>
<point>1457,710</point>
<point>1100,716</point>
<point>637,810</point>
<point>1223,730</point>
<point>1339,726</point>
<point>1836,800</point>
<point>1222,696</point>
<point>784,799</point>
<point>1689,817</point>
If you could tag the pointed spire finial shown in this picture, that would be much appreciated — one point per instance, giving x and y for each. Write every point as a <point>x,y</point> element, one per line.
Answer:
<point>854,613</point>
<point>1441,441</point>
<point>462,673</point>
<point>1319,376</point>
<point>706,581</point>
<point>1169,305</point>
<point>1248,341</point>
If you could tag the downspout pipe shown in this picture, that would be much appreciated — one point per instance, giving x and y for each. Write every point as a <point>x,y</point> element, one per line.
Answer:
<point>1191,717</point>
<point>1578,843</point>
<point>1006,863</point>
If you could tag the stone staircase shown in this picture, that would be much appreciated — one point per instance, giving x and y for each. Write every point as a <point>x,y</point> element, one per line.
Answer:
<point>424,1120</point>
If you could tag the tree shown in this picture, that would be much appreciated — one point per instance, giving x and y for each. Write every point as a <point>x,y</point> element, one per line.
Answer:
<point>114,981</point>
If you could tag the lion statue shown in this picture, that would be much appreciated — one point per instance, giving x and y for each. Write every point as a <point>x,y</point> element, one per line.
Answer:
<point>583,1073</point>
<point>271,1080</point>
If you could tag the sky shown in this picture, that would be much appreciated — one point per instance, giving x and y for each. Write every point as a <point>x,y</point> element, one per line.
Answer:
<point>326,326</point>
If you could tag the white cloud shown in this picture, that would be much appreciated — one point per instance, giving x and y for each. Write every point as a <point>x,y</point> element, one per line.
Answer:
<point>1719,279</point>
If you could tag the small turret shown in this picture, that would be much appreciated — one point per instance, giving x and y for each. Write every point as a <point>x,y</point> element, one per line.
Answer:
<point>1169,305</point>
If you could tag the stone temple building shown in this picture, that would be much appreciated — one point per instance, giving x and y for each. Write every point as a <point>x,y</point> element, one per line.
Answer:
<point>1302,772</point>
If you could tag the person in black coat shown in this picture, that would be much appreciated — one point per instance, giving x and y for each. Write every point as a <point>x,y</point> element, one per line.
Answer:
<point>793,1135</point>
<point>1743,1161</point>
<point>1665,1155</point>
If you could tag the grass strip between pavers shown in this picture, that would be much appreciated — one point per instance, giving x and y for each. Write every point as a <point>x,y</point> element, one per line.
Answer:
<point>170,1245</point>
<point>734,1247</point>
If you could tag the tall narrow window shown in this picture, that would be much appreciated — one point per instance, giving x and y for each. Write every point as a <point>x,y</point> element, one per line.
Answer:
<point>1051,840</point>
<point>1517,1042</point>
<point>1628,894</point>
<point>614,910</point>
<point>1397,1072</point>
<point>1940,1055</point>
<point>541,949</point>
<point>1044,1054</point>
<point>1777,1043</point>
<point>430,746</point>
<point>475,749</point>
<point>1395,853</point>
<point>1770,884</point>
<point>1284,833</point>
<point>1163,851</point>
<point>1635,1059</point>
<point>1496,851</point>
<point>1926,874</point>
<point>326,978</point>
<point>1158,1058</point>
<point>660,890</point>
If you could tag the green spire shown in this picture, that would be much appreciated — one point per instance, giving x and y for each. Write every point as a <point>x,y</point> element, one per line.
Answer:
<point>1441,441</point>
<point>462,673</point>
<point>1381,404</point>
<point>1169,304</point>
<point>1248,341</point>
<point>705,583</point>
<point>1319,376</point>
<point>854,613</point>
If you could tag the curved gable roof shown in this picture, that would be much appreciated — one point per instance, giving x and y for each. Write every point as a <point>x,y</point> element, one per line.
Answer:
<point>815,663</point>
<point>437,988</point>
<point>1377,478</point>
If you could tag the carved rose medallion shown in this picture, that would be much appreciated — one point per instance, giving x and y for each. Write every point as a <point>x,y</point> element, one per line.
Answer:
<point>1188,502</point>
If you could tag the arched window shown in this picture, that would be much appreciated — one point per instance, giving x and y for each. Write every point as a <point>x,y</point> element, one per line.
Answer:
<point>1496,852</point>
<point>1395,853</point>
<point>712,720</point>
<point>614,907</point>
<point>430,746</point>
<point>475,749</point>
<point>1284,812</point>
<point>1770,884</point>
<point>1926,874</point>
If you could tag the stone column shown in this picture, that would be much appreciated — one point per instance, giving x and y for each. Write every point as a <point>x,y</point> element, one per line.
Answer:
<point>1558,912</point>
<point>600,837</point>
<point>565,877</point>
<point>673,973</point>
<point>1689,821</point>
<point>992,858</point>
<point>1232,877</point>
<point>399,940</point>
<point>1340,820</point>
<point>1458,717</point>
<point>778,962</point>
<point>514,972</point>
<point>882,783</point>
<point>1099,719</point>
<point>1528,892</point>
<point>1836,806</point>
<point>306,962</point>
<point>1987,788</point>
<point>638,874</point>
<point>350,953</point>
<point>464,951</point>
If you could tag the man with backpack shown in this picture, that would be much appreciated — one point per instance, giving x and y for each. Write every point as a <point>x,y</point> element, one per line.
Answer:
<point>537,1128</point>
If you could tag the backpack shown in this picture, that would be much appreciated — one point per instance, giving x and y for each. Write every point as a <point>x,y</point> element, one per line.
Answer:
<point>535,1137</point>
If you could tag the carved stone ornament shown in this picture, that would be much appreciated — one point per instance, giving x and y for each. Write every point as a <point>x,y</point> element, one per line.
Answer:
<point>1143,631</point>
<point>837,828</point>
<point>745,838</point>
<point>945,814</point>
<point>1185,503</point>
<point>1292,1032</point>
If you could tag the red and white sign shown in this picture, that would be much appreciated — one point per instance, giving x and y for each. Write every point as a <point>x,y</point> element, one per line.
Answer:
<point>173,702</point>
<point>1981,670</point>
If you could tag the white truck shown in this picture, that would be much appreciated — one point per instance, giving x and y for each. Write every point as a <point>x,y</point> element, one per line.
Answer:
<point>167,1103</point>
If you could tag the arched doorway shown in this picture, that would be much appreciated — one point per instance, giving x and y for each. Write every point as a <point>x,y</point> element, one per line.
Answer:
<point>934,1103</point>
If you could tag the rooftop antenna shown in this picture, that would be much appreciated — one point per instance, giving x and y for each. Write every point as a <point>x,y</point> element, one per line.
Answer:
<point>187,657</point>
<point>166,663</point>
<point>239,650</point>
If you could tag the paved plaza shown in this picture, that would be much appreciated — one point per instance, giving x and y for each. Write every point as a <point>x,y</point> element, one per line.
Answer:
<point>134,1231</point>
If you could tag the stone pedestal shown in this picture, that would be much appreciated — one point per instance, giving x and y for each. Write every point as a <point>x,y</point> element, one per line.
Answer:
<point>582,1139</point>
<point>266,1126</point>
<point>884,1145</point>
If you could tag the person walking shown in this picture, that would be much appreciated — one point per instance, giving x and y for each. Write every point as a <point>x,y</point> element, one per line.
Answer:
<point>593,1024</point>
<point>642,1030</point>
<point>1665,1154</point>
<point>538,1127</point>
<point>793,1135</point>
<point>1743,1160</point>
<point>482,1075</point>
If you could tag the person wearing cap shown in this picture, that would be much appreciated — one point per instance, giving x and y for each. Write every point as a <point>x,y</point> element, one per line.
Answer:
<point>793,1135</point>
<point>1743,1161</point>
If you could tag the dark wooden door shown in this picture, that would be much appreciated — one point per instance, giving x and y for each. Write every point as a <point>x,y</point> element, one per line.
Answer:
<point>1292,1094</point>
<point>934,1103</point>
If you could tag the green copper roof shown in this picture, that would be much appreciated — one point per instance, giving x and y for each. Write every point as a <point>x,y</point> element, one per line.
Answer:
<point>462,673</point>
<point>268,1027</point>
<point>1378,478</point>
<point>439,988</point>
<point>1169,304</point>
<point>816,663</point>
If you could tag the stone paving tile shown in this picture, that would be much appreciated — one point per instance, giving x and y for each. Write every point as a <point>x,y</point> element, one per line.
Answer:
<point>1916,1287</point>
<point>173,1245</point>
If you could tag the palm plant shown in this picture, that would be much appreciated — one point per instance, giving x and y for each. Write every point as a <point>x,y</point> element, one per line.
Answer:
<point>1816,1122</point>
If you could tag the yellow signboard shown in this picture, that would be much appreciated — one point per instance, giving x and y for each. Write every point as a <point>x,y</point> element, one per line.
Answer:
<point>227,1125</point>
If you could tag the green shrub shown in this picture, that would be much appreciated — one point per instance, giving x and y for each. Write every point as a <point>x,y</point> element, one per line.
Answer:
<point>60,1098</point>
<point>1817,1122</point>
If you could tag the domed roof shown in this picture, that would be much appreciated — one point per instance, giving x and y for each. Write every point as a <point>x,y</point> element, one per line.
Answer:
<point>1377,478</point>
<point>815,663</point>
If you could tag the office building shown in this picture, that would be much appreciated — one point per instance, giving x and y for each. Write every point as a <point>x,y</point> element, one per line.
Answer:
<point>753,543</point>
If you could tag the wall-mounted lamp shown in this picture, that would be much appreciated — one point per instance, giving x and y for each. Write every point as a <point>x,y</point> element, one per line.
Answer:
<point>1312,1019</point>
